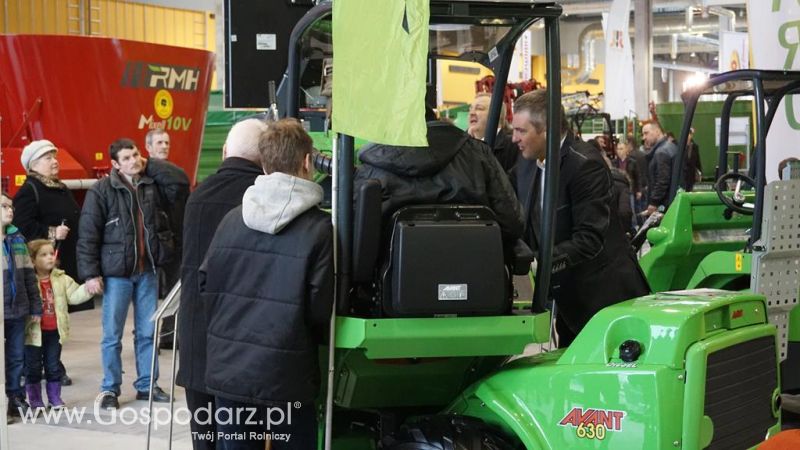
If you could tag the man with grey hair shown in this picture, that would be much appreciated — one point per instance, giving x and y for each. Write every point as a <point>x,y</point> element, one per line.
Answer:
<point>157,143</point>
<point>207,205</point>
<point>593,265</point>
<point>173,185</point>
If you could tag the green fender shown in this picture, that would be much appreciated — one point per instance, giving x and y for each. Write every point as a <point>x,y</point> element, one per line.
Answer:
<point>587,397</point>
<point>544,403</point>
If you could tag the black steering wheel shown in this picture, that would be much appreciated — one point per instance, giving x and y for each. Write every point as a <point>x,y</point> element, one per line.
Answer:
<point>736,202</point>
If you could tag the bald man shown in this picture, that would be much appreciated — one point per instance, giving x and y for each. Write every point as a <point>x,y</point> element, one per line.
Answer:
<point>659,163</point>
<point>207,205</point>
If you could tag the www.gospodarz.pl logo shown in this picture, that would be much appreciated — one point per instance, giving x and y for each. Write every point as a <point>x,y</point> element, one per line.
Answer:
<point>162,416</point>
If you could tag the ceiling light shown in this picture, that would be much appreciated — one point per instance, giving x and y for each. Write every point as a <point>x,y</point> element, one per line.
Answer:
<point>695,80</point>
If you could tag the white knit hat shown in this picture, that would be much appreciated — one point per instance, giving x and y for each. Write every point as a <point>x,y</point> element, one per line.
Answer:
<point>34,151</point>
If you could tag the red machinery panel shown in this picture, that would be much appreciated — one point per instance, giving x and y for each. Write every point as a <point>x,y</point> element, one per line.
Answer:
<point>82,93</point>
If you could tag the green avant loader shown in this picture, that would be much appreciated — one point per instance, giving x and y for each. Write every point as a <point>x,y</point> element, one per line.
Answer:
<point>687,369</point>
<point>720,239</point>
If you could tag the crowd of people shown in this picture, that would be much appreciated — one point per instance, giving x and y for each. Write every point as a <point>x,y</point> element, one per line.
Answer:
<point>115,243</point>
<point>253,251</point>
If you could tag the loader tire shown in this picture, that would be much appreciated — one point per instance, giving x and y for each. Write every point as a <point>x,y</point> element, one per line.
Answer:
<point>449,433</point>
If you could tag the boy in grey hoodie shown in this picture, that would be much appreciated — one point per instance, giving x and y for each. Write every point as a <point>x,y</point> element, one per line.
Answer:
<point>267,285</point>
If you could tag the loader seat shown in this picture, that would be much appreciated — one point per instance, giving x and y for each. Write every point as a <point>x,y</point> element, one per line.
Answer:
<point>432,260</point>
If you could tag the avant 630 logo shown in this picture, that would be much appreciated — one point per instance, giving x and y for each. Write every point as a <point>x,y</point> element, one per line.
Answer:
<point>593,423</point>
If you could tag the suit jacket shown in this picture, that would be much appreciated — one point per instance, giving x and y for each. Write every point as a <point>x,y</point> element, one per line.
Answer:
<point>593,264</point>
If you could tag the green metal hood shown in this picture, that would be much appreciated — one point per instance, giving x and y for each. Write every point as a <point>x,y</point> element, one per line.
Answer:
<point>665,324</point>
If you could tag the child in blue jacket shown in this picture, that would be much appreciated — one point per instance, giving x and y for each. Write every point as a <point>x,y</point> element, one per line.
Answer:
<point>20,300</point>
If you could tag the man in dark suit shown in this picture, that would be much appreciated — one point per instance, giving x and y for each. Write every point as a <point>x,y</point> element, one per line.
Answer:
<point>593,265</point>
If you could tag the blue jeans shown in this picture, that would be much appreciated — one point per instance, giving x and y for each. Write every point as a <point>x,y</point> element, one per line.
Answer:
<point>119,292</point>
<point>15,355</point>
<point>48,355</point>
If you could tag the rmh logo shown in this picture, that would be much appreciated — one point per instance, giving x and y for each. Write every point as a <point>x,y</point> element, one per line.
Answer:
<point>159,76</point>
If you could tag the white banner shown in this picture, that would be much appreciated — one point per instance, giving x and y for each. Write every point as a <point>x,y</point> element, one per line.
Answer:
<point>521,61</point>
<point>618,95</point>
<point>733,51</point>
<point>774,28</point>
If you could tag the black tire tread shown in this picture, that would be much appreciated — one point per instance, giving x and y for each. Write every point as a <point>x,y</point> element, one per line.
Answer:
<point>450,432</point>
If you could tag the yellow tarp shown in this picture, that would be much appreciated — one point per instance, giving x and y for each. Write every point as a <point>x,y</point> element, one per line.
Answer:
<point>380,50</point>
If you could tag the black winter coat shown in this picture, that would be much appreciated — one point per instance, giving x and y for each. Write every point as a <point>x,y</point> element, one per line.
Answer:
<point>173,185</point>
<point>594,266</point>
<point>107,240</point>
<point>205,209</point>
<point>641,167</point>
<point>622,193</point>
<point>659,161</point>
<point>38,207</point>
<point>454,168</point>
<point>267,298</point>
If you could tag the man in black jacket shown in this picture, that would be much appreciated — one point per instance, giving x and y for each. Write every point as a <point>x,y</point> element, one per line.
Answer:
<point>453,168</point>
<point>593,265</point>
<point>123,238</point>
<point>659,163</point>
<point>206,207</point>
<point>267,283</point>
<point>173,185</point>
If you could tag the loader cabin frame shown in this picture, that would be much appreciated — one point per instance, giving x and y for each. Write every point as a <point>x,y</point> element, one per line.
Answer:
<point>514,15</point>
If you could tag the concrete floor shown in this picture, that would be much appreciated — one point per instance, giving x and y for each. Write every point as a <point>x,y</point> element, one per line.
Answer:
<point>81,356</point>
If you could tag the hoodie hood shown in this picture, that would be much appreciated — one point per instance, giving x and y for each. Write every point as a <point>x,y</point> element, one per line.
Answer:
<point>277,199</point>
<point>418,161</point>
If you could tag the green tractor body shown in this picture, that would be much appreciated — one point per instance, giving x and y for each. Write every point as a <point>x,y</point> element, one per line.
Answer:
<point>696,247</point>
<point>705,373</point>
<point>742,236</point>
<point>706,376</point>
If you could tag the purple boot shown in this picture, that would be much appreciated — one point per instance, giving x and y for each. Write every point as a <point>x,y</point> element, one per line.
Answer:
<point>54,394</point>
<point>34,392</point>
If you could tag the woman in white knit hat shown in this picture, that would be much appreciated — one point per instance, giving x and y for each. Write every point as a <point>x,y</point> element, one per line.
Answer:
<point>46,209</point>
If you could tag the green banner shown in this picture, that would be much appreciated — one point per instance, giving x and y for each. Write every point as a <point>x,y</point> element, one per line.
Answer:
<point>380,51</point>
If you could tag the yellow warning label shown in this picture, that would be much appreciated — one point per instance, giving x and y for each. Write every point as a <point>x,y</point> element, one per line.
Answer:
<point>19,180</point>
<point>739,259</point>
<point>98,156</point>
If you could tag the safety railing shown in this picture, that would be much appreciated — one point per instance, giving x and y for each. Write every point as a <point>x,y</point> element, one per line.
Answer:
<point>167,309</point>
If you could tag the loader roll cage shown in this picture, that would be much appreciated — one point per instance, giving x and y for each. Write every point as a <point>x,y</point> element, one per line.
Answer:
<point>768,88</point>
<point>515,16</point>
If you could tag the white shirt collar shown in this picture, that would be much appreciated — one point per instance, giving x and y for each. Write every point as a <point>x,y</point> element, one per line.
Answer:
<point>541,164</point>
